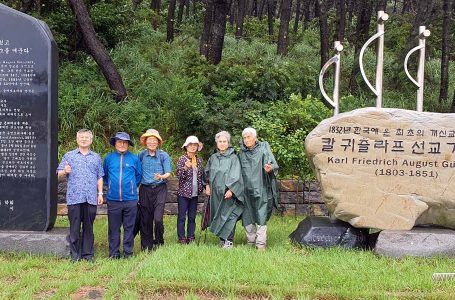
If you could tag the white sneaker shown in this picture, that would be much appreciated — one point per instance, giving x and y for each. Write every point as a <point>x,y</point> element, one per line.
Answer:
<point>228,245</point>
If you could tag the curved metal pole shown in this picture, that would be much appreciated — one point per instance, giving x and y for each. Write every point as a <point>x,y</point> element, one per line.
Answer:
<point>382,17</point>
<point>423,34</point>
<point>371,39</point>
<point>406,64</point>
<point>321,77</point>
<point>336,59</point>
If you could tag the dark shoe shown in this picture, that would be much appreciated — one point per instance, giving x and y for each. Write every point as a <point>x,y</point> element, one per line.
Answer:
<point>127,256</point>
<point>190,240</point>
<point>158,244</point>
<point>114,257</point>
<point>182,242</point>
<point>89,259</point>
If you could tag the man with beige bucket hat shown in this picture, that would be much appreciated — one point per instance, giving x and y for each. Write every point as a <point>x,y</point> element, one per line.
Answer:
<point>156,169</point>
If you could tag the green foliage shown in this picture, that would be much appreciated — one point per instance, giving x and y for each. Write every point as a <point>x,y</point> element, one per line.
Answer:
<point>257,30</point>
<point>112,21</point>
<point>285,125</point>
<point>172,88</point>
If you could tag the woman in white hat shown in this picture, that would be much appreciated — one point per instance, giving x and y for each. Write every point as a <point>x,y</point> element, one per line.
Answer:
<point>189,173</point>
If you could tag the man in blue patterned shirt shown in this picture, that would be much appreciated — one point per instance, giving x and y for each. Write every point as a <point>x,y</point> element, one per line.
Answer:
<point>84,172</point>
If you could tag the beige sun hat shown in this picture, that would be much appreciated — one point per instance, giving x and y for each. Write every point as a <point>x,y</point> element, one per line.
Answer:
<point>193,140</point>
<point>149,133</point>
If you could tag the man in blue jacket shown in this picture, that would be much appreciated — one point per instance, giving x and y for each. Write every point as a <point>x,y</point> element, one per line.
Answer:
<point>123,173</point>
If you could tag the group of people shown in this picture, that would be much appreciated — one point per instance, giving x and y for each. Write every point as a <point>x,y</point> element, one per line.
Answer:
<point>239,186</point>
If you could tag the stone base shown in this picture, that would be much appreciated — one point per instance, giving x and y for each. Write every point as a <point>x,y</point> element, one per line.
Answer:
<point>52,242</point>
<point>323,232</point>
<point>421,242</point>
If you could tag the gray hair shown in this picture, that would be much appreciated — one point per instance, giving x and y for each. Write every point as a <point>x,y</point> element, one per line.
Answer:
<point>249,130</point>
<point>224,133</point>
<point>85,130</point>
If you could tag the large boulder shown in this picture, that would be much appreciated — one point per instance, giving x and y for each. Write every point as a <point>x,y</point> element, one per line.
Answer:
<point>386,168</point>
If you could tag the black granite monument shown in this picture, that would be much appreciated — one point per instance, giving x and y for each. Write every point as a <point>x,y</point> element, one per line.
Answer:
<point>322,232</point>
<point>28,123</point>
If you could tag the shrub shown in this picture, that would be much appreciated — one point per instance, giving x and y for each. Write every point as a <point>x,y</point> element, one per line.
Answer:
<point>285,125</point>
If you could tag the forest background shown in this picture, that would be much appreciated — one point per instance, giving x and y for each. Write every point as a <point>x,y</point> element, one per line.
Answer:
<point>192,67</point>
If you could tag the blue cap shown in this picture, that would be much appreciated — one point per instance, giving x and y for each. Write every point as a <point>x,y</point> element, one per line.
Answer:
<point>120,136</point>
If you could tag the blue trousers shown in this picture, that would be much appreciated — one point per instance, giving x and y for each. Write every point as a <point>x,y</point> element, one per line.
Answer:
<point>121,213</point>
<point>186,206</point>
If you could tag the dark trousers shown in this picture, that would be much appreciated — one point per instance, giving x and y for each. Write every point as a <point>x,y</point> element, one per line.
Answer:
<point>121,213</point>
<point>81,242</point>
<point>231,235</point>
<point>151,209</point>
<point>186,206</point>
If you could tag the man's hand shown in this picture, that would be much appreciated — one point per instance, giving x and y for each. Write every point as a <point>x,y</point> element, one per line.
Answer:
<point>100,199</point>
<point>228,195</point>
<point>207,190</point>
<point>268,168</point>
<point>67,168</point>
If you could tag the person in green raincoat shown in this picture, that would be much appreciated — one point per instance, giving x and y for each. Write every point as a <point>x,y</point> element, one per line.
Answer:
<point>259,171</point>
<point>224,185</point>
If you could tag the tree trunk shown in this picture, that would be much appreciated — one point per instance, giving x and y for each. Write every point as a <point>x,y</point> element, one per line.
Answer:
<point>362,30</point>
<point>97,50</point>
<point>283,35</point>
<point>136,3</point>
<point>381,5</point>
<point>270,15</point>
<point>26,6</point>
<point>424,9</point>
<point>445,47</point>
<point>38,6</point>
<point>241,8</point>
<point>406,6</point>
<point>297,16</point>
<point>187,6</point>
<point>156,5</point>
<point>194,7</point>
<point>321,10</point>
<point>351,9</point>
<point>214,30</point>
<point>231,12</point>
<point>254,8</point>
<point>341,20</point>
<point>307,13</point>
<point>180,12</point>
<point>170,21</point>
<point>261,9</point>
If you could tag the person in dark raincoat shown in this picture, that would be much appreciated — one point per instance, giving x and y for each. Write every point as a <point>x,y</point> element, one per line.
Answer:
<point>225,187</point>
<point>259,170</point>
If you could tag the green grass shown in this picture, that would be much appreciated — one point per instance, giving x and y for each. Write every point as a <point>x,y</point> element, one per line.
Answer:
<point>205,271</point>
